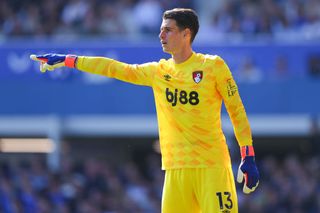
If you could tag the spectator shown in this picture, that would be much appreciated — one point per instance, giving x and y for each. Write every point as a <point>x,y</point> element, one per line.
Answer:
<point>280,71</point>
<point>248,72</point>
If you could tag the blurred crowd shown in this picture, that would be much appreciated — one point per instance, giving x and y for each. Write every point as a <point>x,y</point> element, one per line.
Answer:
<point>82,17</point>
<point>287,185</point>
<point>282,19</point>
<point>294,18</point>
<point>85,186</point>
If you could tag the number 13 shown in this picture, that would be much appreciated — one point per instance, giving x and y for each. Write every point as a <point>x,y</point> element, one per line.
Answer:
<point>227,204</point>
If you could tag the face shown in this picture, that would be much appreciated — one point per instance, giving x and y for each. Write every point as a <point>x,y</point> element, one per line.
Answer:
<point>171,38</point>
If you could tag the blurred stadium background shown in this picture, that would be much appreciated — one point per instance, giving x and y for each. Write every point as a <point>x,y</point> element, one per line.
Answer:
<point>72,142</point>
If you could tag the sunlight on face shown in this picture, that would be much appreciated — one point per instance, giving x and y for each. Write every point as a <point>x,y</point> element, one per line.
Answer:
<point>171,37</point>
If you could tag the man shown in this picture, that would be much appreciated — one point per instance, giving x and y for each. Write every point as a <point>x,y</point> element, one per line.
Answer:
<point>189,89</point>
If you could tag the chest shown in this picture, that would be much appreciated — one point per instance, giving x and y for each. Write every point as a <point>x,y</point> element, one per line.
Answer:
<point>187,87</point>
<point>187,78</point>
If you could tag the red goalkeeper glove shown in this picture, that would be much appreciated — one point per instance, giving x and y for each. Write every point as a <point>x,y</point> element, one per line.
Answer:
<point>53,61</point>
<point>248,170</point>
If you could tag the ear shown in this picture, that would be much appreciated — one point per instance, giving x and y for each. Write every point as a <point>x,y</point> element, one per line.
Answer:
<point>187,33</point>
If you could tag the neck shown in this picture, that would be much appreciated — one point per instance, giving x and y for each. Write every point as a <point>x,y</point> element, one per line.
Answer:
<point>182,56</point>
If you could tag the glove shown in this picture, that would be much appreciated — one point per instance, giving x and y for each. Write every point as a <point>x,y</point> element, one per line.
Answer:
<point>52,61</point>
<point>248,170</point>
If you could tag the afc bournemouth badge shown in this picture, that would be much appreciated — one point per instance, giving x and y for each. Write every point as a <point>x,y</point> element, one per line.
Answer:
<point>197,76</point>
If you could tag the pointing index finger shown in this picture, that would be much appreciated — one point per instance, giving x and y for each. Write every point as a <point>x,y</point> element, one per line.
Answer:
<point>38,58</point>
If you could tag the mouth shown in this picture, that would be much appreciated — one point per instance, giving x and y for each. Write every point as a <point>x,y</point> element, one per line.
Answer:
<point>163,43</point>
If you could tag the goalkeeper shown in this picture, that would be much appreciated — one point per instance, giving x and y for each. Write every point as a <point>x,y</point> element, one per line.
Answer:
<point>189,89</point>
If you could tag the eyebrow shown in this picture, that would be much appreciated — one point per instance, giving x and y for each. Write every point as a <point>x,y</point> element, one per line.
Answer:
<point>166,28</point>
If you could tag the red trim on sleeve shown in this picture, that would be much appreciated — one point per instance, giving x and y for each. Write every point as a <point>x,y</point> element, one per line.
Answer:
<point>70,61</point>
<point>247,151</point>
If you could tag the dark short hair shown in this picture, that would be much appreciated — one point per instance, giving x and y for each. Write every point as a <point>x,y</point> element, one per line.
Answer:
<point>185,18</point>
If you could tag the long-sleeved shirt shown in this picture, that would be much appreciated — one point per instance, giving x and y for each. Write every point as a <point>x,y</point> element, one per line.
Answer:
<point>188,98</point>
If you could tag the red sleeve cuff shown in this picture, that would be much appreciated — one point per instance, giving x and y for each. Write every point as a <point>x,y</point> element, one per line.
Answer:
<point>246,151</point>
<point>70,61</point>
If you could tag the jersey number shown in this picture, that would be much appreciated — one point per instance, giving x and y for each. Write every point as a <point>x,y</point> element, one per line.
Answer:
<point>226,196</point>
<point>183,97</point>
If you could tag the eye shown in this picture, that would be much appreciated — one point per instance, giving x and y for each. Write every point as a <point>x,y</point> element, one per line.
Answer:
<point>165,29</point>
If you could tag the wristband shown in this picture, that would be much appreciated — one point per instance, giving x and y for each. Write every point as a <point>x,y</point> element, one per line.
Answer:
<point>246,151</point>
<point>70,61</point>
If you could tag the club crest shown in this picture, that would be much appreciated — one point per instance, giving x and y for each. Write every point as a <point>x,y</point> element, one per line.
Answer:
<point>197,76</point>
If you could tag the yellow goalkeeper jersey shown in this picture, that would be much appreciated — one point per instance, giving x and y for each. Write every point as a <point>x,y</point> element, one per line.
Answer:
<point>188,99</point>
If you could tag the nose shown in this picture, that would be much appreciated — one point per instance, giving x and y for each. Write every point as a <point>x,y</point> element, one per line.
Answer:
<point>161,34</point>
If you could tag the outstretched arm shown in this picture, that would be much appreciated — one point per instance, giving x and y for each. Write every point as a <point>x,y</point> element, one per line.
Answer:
<point>138,74</point>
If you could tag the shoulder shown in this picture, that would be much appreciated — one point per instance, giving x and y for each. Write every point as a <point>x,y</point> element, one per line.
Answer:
<point>210,59</point>
<point>216,65</point>
<point>214,59</point>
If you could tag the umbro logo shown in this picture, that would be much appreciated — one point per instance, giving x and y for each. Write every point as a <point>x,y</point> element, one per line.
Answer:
<point>167,77</point>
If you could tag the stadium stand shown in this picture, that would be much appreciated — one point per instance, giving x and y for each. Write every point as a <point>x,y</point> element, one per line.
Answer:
<point>272,47</point>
